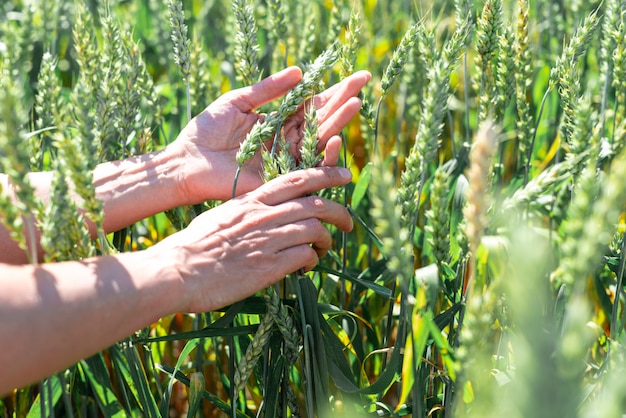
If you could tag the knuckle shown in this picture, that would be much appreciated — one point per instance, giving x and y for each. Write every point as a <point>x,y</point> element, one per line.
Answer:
<point>296,180</point>
<point>316,202</point>
<point>311,259</point>
<point>314,225</point>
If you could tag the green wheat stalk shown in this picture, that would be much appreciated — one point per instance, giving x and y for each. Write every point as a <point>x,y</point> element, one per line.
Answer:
<point>618,57</point>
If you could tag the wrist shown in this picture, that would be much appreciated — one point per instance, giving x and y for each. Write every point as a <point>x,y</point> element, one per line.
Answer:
<point>159,281</point>
<point>138,187</point>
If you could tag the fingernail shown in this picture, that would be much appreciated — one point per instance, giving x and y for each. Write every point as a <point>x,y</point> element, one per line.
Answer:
<point>345,173</point>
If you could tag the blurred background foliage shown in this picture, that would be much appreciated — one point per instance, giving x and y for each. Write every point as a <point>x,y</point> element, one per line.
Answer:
<point>512,306</point>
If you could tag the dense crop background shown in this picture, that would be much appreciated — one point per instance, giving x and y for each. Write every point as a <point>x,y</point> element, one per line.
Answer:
<point>484,276</point>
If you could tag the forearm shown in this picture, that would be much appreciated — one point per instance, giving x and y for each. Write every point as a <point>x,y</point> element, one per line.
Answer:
<point>53,315</point>
<point>130,190</point>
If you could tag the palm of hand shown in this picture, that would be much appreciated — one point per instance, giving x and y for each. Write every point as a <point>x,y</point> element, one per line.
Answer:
<point>211,140</point>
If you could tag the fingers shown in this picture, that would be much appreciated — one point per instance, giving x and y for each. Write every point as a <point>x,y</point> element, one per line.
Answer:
<point>312,241</point>
<point>300,183</point>
<point>331,151</point>
<point>331,99</point>
<point>268,89</point>
<point>309,232</point>
<point>318,208</point>
<point>335,121</point>
<point>349,86</point>
<point>300,257</point>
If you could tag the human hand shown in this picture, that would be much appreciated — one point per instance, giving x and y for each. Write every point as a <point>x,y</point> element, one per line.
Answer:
<point>250,242</point>
<point>209,143</point>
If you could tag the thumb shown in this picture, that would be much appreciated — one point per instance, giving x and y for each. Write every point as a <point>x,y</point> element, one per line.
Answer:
<point>268,89</point>
<point>300,183</point>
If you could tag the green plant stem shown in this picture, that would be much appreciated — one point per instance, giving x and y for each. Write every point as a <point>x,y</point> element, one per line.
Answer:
<point>619,291</point>
<point>466,83</point>
<point>188,94</point>
<point>532,143</point>
<point>375,144</point>
<point>307,368</point>
<point>344,235</point>
<point>234,193</point>
<point>32,240</point>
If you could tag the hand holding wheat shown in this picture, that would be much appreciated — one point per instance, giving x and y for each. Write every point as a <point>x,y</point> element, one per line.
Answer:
<point>244,245</point>
<point>209,143</point>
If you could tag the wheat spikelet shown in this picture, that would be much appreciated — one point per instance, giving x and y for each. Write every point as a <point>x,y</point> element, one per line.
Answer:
<point>390,228</point>
<point>595,209</point>
<point>523,72</point>
<point>48,105</point>
<point>306,88</point>
<point>504,74</point>
<point>161,30</point>
<point>284,323</point>
<point>464,11</point>
<point>438,218</point>
<point>310,82</point>
<point>348,50</point>
<point>84,94</point>
<point>608,43</point>
<point>533,192</point>
<point>61,214</point>
<point>15,163</point>
<point>18,42</point>
<point>110,87</point>
<point>180,37</point>
<point>427,138</point>
<point>253,353</point>
<point>246,47</point>
<point>279,161</point>
<point>576,47</point>
<point>138,85</point>
<point>566,77</point>
<point>200,78</point>
<point>309,35</point>
<point>278,18</point>
<point>488,28</point>
<point>309,157</point>
<point>578,215</point>
<point>270,166</point>
<point>415,77</point>
<point>478,202</point>
<point>618,57</point>
<point>399,58</point>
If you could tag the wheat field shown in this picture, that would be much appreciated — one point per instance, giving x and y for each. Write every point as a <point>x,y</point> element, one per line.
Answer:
<point>484,275</point>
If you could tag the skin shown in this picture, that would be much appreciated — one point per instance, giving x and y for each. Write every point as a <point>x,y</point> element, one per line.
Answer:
<point>226,254</point>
